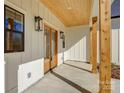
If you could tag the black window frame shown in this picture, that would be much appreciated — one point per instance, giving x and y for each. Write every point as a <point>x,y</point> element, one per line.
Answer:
<point>118,16</point>
<point>13,31</point>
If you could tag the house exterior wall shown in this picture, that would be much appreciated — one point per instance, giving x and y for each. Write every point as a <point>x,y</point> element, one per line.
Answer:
<point>34,41</point>
<point>77,43</point>
<point>115,33</point>
<point>34,69</point>
<point>115,40</point>
<point>115,28</point>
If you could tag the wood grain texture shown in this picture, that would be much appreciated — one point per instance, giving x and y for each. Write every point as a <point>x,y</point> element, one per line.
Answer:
<point>55,59</point>
<point>52,61</point>
<point>54,39</point>
<point>46,65</point>
<point>70,12</point>
<point>93,38</point>
<point>105,56</point>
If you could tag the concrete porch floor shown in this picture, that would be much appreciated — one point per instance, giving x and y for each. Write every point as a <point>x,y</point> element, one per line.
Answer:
<point>71,77</point>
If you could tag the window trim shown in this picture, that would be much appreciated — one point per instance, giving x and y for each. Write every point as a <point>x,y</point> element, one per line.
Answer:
<point>115,17</point>
<point>14,31</point>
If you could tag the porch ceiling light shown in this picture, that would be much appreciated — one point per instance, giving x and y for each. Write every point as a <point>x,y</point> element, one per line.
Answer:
<point>38,23</point>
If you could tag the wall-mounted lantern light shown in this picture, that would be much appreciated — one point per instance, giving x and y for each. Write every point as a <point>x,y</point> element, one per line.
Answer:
<point>62,36</point>
<point>38,23</point>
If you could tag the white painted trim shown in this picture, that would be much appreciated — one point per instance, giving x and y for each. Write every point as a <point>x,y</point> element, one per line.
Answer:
<point>76,27</point>
<point>36,68</point>
<point>15,7</point>
<point>51,25</point>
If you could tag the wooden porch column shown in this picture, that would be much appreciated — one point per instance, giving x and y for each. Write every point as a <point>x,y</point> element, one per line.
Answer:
<point>93,40</point>
<point>105,57</point>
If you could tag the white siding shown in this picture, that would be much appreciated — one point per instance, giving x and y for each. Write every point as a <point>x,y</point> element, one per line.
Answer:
<point>115,26</point>
<point>36,70</point>
<point>115,40</point>
<point>77,43</point>
<point>115,31</point>
<point>115,46</point>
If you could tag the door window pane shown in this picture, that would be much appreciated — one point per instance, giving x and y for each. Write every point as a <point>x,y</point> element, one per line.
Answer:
<point>47,43</point>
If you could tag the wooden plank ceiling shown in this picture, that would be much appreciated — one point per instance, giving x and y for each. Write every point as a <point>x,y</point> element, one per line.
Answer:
<point>70,12</point>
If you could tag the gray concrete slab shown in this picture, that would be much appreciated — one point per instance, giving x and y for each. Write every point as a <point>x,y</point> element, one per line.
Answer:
<point>71,77</point>
<point>51,84</point>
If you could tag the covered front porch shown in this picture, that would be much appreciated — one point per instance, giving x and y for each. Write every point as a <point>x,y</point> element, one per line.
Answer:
<point>61,46</point>
<point>71,77</point>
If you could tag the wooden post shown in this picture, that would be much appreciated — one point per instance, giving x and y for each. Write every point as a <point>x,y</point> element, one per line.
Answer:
<point>105,57</point>
<point>94,45</point>
<point>91,45</point>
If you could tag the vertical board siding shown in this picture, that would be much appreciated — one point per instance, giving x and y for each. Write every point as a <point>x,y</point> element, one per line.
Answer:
<point>115,24</point>
<point>77,43</point>
<point>34,41</point>
<point>115,46</point>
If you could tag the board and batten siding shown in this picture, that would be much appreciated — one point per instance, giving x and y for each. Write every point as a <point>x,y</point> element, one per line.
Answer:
<point>115,31</point>
<point>34,41</point>
<point>77,43</point>
<point>115,42</point>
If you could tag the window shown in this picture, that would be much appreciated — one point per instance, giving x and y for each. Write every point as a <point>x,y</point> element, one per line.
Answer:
<point>14,30</point>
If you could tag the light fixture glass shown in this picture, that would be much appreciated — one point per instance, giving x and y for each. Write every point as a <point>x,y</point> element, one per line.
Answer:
<point>61,34</point>
<point>38,23</point>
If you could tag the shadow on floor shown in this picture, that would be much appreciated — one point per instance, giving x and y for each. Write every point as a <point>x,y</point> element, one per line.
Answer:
<point>82,90</point>
<point>78,67</point>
